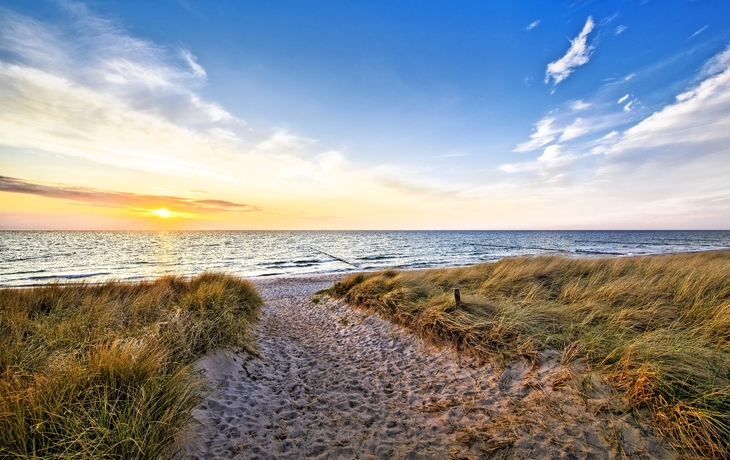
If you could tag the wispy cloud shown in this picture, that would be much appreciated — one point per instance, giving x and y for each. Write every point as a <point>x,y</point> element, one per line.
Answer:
<point>532,25</point>
<point>198,70</point>
<point>554,156</point>
<point>699,31</point>
<point>665,168</point>
<point>578,55</point>
<point>545,132</point>
<point>560,128</point>
<point>619,30</point>
<point>107,198</point>
<point>578,128</point>
<point>699,117</point>
<point>579,105</point>
<point>85,88</point>
<point>551,165</point>
<point>618,81</point>
<point>717,64</point>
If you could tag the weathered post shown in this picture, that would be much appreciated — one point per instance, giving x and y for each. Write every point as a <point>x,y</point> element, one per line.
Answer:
<point>457,296</point>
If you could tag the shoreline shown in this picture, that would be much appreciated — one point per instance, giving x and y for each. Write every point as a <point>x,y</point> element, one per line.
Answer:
<point>344,273</point>
<point>510,378</point>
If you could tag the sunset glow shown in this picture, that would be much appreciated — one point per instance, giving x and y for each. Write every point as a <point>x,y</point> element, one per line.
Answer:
<point>117,115</point>
<point>162,212</point>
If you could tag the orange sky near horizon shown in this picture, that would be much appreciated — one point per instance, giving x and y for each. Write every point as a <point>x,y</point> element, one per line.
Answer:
<point>111,112</point>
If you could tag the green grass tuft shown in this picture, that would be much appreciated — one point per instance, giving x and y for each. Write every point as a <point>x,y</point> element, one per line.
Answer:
<point>104,371</point>
<point>657,327</point>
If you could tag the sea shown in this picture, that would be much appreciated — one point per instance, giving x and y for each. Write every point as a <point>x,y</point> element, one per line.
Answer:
<point>29,258</point>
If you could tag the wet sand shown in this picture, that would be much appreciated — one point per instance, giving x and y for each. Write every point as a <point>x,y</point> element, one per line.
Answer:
<point>336,382</point>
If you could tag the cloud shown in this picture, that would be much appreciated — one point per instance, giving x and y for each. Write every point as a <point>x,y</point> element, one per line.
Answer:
<point>669,170</point>
<point>609,138</point>
<point>579,105</point>
<point>700,117</point>
<point>578,128</point>
<point>699,31</point>
<point>629,106</point>
<point>283,141</point>
<point>578,55</point>
<point>544,133</point>
<point>609,19</point>
<point>532,25</point>
<point>551,164</point>
<point>198,70</point>
<point>623,98</point>
<point>107,198</point>
<point>331,161</point>
<point>718,63</point>
<point>84,88</point>
<point>619,30</point>
<point>94,54</point>
<point>515,167</point>
<point>556,128</point>
<point>554,156</point>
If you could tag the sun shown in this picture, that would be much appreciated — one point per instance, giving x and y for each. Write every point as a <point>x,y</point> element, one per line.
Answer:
<point>162,212</point>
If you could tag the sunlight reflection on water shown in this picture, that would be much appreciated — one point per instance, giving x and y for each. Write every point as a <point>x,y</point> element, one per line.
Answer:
<point>28,258</point>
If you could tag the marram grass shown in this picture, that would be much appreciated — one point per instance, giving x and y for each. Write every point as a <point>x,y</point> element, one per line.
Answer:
<point>104,371</point>
<point>657,327</point>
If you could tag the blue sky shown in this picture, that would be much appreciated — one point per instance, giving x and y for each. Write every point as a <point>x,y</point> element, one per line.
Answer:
<point>324,114</point>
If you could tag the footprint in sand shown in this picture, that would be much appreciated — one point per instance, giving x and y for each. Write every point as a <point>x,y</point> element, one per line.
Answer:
<point>334,382</point>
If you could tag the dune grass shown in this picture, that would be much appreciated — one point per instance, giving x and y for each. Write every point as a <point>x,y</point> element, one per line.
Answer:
<point>656,327</point>
<point>104,371</point>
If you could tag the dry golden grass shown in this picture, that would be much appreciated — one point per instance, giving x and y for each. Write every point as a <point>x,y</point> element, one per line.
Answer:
<point>104,371</point>
<point>658,328</point>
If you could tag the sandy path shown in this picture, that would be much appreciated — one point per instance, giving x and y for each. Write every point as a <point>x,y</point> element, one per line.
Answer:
<point>333,382</point>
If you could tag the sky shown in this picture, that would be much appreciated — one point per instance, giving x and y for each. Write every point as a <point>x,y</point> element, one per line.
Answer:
<point>320,114</point>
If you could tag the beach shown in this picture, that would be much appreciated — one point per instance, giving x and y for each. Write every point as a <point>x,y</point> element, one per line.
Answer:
<point>364,230</point>
<point>331,381</point>
<point>538,357</point>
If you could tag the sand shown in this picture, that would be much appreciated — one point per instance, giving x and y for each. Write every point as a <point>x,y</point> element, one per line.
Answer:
<point>336,382</point>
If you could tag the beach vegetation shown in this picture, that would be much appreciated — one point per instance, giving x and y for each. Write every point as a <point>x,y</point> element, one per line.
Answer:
<point>657,328</point>
<point>105,371</point>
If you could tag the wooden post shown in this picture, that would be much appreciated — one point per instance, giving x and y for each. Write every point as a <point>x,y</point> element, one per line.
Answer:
<point>457,297</point>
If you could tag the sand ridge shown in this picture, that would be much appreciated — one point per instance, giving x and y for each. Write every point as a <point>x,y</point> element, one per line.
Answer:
<point>336,382</point>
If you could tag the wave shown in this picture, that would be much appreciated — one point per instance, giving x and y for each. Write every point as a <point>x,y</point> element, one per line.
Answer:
<point>45,256</point>
<point>642,243</point>
<point>70,276</point>
<point>294,263</point>
<point>605,253</point>
<point>378,257</point>
<point>27,272</point>
<point>515,247</point>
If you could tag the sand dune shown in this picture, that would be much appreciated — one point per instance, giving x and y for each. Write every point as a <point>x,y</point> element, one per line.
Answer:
<point>334,382</point>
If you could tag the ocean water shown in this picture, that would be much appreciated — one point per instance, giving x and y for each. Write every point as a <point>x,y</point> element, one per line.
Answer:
<point>31,258</point>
